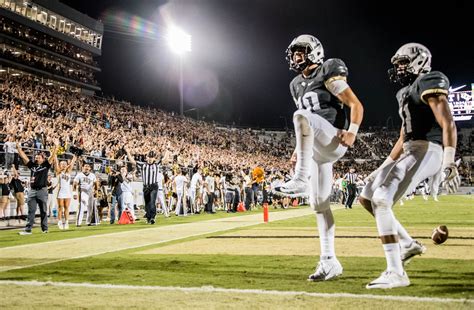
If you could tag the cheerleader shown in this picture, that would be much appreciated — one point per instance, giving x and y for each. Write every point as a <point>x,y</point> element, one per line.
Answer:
<point>63,170</point>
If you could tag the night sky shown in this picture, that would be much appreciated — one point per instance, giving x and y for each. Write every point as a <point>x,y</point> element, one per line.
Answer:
<point>237,70</point>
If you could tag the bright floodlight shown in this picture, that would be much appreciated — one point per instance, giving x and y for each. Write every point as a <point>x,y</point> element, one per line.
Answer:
<point>178,40</point>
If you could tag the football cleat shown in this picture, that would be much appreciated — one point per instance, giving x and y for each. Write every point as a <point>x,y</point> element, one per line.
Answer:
<point>293,189</point>
<point>389,279</point>
<point>326,270</point>
<point>407,253</point>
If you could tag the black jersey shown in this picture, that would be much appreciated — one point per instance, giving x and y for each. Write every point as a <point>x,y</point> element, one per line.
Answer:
<point>418,120</point>
<point>311,93</point>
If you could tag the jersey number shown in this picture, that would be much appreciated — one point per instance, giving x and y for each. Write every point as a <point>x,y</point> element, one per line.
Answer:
<point>406,116</point>
<point>309,101</point>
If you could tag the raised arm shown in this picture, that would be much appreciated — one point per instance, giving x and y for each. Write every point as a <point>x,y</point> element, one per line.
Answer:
<point>71,164</point>
<point>130,157</point>
<point>52,155</point>
<point>22,154</point>
<point>56,163</point>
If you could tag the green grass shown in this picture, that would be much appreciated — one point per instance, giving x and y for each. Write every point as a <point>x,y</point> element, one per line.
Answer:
<point>429,277</point>
<point>455,211</point>
<point>11,238</point>
<point>439,277</point>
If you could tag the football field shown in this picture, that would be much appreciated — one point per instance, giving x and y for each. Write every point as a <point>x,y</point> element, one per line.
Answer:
<point>235,261</point>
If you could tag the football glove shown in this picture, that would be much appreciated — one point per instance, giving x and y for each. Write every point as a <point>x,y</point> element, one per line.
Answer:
<point>451,179</point>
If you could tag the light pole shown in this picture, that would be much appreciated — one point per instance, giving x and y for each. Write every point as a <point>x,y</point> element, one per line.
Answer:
<point>179,43</point>
<point>181,87</point>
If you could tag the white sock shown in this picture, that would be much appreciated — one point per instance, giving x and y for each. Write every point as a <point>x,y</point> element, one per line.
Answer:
<point>304,148</point>
<point>405,239</point>
<point>387,225</point>
<point>326,229</point>
<point>392,255</point>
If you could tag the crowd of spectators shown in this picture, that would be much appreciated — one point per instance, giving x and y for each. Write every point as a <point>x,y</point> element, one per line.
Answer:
<point>46,64</point>
<point>36,114</point>
<point>36,38</point>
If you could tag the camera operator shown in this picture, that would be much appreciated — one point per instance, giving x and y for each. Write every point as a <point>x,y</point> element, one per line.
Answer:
<point>38,194</point>
<point>116,199</point>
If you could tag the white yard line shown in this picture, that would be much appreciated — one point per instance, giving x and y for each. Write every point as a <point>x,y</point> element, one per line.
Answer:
<point>233,291</point>
<point>55,251</point>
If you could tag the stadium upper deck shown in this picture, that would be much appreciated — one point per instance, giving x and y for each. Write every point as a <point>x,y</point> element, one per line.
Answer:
<point>51,41</point>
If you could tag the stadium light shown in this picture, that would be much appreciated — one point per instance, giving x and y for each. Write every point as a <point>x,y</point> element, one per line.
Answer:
<point>179,43</point>
<point>178,40</point>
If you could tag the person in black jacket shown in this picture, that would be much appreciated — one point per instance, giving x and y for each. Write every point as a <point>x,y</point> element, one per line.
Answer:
<point>114,182</point>
<point>38,194</point>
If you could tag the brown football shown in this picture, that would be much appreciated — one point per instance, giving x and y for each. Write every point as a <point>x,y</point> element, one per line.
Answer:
<point>440,234</point>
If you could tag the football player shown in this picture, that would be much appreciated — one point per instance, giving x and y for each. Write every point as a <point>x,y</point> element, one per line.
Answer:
<point>320,91</point>
<point>427,126</point>
<point>86,184</point>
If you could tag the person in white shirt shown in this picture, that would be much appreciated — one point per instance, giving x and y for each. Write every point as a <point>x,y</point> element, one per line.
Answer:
<point>194,191</point>
<point>125,180</point>
<point>52,186</point>
<point>86,182</point>
<point>210,187</point>
<point>339,188</point>
<point>160,196</point>
<point>247,184</point>
<point>179,184</point>
<point>63,171</point>
<point>222,189</point>
<point>11,153</point>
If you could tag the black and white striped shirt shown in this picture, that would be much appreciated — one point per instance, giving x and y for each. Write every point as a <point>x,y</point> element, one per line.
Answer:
<point>149,173</point>
<point>351,177</point>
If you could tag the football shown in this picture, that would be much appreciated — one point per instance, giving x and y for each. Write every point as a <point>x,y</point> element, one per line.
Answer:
<point>440,234</point>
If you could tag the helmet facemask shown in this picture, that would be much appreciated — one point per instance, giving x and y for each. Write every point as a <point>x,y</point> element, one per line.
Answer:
<point>290,57</point>
<point>311,49</point>
<point>401,73</point>
<point>409,62</point>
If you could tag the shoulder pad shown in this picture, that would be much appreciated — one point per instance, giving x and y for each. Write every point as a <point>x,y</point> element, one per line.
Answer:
<point>334,67</point>
<point>431,83</point>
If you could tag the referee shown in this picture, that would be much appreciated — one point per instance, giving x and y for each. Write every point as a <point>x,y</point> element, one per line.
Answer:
<point>351,178</point>
<point>150,177</point>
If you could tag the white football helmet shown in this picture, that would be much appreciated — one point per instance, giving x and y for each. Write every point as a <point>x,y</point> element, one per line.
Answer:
<point>312,48</point>
<point>410,60</point>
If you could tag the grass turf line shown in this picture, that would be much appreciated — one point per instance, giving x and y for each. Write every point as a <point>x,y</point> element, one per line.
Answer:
<point>48,297</point>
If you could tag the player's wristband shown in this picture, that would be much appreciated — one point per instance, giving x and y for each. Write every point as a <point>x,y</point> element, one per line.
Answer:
<point>448,156</point>
<point>353,128</point>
